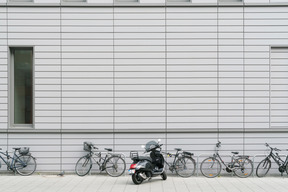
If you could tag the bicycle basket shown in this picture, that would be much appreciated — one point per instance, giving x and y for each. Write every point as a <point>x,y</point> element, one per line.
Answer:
<point>88,146</point>
<point>24,150</point>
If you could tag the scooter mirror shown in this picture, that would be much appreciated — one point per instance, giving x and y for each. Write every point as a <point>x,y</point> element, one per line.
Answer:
<point>159,140</point>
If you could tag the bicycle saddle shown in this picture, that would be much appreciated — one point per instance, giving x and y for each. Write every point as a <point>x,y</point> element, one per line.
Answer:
<point>235,152</point>
<point>108,149</point>
<point>17,148</point>
<point>178,149</point>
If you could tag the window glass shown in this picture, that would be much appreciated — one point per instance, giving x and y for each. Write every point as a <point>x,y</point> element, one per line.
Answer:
<point>23,86</point>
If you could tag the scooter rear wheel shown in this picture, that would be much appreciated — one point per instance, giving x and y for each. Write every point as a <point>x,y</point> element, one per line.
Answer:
<point>164,175</point>
<point>136,178</point>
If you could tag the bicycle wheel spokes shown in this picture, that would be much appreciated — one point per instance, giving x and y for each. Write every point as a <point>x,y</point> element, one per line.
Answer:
<point>83,166</point>
<point>243,167</point>
<point>25,165</point>
<point>210,167</point>
<point>263,167</point>
<point>115,166</point>
<point>185,166</point>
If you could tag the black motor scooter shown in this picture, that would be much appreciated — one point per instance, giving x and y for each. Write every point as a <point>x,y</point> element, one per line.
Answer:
<point>145,167</point>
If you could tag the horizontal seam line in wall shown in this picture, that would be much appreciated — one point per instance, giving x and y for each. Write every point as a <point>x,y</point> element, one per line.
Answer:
<point>139,84</point>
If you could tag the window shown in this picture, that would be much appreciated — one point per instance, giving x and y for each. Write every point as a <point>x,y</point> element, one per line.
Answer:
<point>21,87</point>
<point>279,87</point>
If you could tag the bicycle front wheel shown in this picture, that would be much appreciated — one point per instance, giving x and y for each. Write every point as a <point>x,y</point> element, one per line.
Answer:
<point>83,166</point>
<point>210,167</point>
<point>243,167</point>
<point>185,166</point>
<point>263,167</point>
<point>25,165</point>
<point>115,166</point>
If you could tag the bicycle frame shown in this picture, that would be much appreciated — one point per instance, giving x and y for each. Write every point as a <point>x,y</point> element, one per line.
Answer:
<point>217,155</point>
<point>277,158</point>
<point>93,155</point>
<point>174,161</point>
<point>9,165</point>
<point>233,158</point>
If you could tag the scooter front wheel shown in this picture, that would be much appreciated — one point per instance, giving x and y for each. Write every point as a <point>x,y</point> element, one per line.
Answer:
<point>136,178</point>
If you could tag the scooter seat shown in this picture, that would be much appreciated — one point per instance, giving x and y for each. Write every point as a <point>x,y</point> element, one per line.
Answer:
<point>145,158</point>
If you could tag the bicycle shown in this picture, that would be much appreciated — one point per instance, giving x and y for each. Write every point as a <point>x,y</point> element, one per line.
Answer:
<point>113,164</point>
<point>265,165</point>
<point>183,163</point>
<point>240,165</point>
<point>22,161</point>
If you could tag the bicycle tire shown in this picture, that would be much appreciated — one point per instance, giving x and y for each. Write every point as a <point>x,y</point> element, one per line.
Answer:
<point>263,168</point>
<point>286,168</point>
<point>185,166</point>
<point>115,166</point>
<point>243,167</point>
<point>25,165</point>
<point>210,167</point>
<point>83,166</point>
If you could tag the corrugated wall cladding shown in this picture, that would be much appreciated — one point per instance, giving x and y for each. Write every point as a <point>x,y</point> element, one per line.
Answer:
<point>121,76</point>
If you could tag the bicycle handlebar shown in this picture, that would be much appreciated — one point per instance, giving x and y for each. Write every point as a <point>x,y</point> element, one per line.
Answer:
<point>218,144</point>
<point>272,149</point>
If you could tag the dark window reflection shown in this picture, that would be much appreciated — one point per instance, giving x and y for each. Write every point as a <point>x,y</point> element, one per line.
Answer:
<point>23,86</point>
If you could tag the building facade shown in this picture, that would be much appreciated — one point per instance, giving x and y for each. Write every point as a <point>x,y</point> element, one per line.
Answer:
<point>122,73</point>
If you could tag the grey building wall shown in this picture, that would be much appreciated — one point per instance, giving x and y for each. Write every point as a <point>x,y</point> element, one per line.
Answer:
<point>119,76</point>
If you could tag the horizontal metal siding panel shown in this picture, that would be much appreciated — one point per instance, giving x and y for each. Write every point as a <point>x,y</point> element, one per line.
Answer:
<point>139,77</point>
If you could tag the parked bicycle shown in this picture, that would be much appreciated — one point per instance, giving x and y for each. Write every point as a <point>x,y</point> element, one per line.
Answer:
<point>240,165</point>
<point>265,165</point>
<point>112,163</point>
<point>21,162</point>
<point>183,164</point>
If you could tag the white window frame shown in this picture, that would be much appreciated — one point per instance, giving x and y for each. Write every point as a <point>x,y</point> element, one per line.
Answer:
<point>11,88</point>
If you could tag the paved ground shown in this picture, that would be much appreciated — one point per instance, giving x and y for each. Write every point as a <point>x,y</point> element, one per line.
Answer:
<point>105,183</point>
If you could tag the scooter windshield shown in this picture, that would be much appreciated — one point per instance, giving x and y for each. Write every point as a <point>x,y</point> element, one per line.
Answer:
<point>150,145</point>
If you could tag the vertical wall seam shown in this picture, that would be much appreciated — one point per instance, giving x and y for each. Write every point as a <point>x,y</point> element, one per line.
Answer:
<point>61,91</point>
<point>166,86</point>
<point>8,75</point>
<point>114,76</point>
<point>218,126</point>
<point>244,87</point>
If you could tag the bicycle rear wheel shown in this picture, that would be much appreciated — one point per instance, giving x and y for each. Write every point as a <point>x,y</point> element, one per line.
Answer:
<point>185,166</point>
<point>243,167</point>
<point>25,165</point>
<point>210,167</point>
<point>263,167</point>
<point>115,166</point>
<point>83,166</point>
